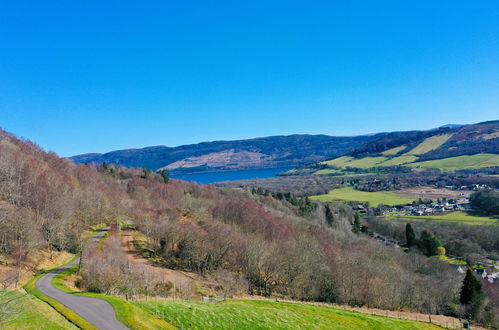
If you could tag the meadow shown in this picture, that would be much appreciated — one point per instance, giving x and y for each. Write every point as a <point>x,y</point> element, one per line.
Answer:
<point>457,217</point>
<point>374,198</point>
<point>260,314</point>
<point>460,162</point>
<point>430,144</point>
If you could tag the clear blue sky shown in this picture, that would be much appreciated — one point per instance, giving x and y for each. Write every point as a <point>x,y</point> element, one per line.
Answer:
<point>95,76</point>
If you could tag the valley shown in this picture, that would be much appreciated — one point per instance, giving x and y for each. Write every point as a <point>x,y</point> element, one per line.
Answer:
<point>325,242</point>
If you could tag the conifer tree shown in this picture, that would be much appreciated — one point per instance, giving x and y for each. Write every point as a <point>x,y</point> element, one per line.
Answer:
<point>410,236</point>
<point>165,176</point>
<point>356,223</point>
<point>471,289</point>
<point>329,215</point>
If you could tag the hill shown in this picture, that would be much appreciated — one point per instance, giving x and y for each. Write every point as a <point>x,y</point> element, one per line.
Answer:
<point>274,151</point>
<point>448,148</point>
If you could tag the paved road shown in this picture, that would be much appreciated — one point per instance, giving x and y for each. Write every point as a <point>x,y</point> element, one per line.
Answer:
<point>98,312</point>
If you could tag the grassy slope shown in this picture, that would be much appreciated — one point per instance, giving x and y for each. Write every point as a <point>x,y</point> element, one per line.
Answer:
<point>459,217</point>
<point>404,159</point>
<point>36,314</point>
<point>366,162</point>
<point>394,151</point>
<point>374,198</point>
<point>430,144</point>
<point>460,162</point>
<point>339,162</point>
<point>347,161</point>
<point>258,314</point>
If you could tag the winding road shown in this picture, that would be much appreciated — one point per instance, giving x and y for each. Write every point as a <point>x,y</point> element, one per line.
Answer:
<point>96,311</point>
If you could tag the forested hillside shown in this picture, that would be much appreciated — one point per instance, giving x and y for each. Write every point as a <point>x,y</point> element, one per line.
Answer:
<point>274,151</point>
<point>447,148</point>
<point>283,247</point>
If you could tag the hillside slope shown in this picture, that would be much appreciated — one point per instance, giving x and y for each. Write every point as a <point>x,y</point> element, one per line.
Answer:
<point>466,147</point>
<point>274,151</point>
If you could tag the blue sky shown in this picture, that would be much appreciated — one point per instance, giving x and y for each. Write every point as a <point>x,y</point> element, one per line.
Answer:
<point>95,76</point>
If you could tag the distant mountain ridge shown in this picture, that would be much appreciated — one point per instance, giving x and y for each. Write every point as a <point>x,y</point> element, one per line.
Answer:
<point>395,148</point>
<point>265,152</point>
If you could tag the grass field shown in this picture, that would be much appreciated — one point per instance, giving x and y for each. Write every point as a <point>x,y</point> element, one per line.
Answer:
<point>459,217</point>
<point>35,314</point>
<point>374,198</point>
<point>430,144</point>
<point>404,159</point>
<point>339,162</point>
<point>258,314</point>
<point>460,162</point>
<point>347,161</point>
<point>394,151</point>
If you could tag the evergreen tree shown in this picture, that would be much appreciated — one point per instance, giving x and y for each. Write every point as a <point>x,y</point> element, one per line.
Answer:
<point>471,294</point>
<point>471,289</point>
<point>410,236</point>
<point>329,215</point>
<point>356,223</point>
<point>164,174</point>
<point>428,244</point>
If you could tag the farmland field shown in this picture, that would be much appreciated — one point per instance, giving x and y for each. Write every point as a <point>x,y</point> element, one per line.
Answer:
<point>456,217</point>
<point>460,162</point>
<point>430,144</point>
<point>347,161</point>
<point>258,314</point>
<point>399,160</point>
<point>374,198</point>
<point>393,151</point>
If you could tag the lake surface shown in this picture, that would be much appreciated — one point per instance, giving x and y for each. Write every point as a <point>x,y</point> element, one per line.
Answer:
<point>211,177</point>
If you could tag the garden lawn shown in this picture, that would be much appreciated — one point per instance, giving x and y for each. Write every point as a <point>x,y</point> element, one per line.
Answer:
<point>262,314</point>
<point>374,198</point>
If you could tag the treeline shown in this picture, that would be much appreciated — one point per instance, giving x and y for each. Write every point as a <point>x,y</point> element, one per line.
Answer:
<point>304,204</point>
<point>487,200</point>
<point>468,242</point>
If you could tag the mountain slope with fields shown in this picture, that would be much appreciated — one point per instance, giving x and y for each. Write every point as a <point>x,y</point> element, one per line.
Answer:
<point>366,151</point>
<point>447,148</point>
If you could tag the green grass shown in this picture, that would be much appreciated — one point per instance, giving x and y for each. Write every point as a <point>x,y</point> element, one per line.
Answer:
<point>430,144</point>
<point>259,314</point>
<point>35,314</point>
<point>460,162</point>
<point>459,217</point>
<point>347,161</point>
<point>329,171</point>
<point>338,162</point>
<point>393,151</point>
<point>366,162</point>
<point>129,314</point>
<point>404,159</point>
<point>374,198</point>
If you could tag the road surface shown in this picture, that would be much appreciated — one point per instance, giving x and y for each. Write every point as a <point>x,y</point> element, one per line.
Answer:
<point>98,312</point>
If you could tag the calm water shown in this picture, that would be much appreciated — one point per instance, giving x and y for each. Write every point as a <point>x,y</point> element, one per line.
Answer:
<point>231,175</point>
